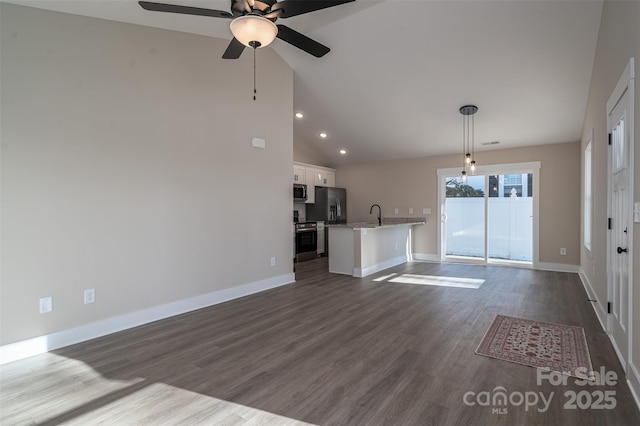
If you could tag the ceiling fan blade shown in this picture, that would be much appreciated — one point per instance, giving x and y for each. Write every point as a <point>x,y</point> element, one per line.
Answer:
<point>301,41</point>
<point>289,8</point>
<point>234,50</point>
<point>187,10</point>
<point>262,5</point>
<point>240,6</point>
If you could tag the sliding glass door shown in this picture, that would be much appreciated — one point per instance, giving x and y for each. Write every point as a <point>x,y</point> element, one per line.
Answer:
<point>510,214</point>
<point>465,217</point>
<point>490,217</point>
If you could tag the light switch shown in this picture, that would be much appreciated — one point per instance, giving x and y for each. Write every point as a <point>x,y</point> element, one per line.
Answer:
<point>636,212</point>
<point>396,210</point>
<point>410,210</point>
<point>426,211</point>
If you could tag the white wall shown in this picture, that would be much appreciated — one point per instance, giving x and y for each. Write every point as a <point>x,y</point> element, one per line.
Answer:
<point>127,167</point>
<point>413,183</point>
<point>618,40</point>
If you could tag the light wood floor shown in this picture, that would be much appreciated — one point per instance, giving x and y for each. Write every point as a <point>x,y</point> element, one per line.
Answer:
<point>328,349</point>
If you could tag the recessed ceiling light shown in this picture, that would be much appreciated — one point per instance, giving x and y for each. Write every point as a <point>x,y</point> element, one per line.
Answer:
<point>323,135</point>
<point>343,151</point>
<point>299,115</point>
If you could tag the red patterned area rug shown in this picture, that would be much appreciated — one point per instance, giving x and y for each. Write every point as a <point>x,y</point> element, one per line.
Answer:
<point>557,347</point>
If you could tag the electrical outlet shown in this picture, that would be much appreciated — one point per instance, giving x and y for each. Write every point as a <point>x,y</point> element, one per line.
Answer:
<point>563,251</point>
<point>89,296</point>
<point>410,210</point>
<point>46,304</point>
<point>426,210</point>
<point>273,261</point>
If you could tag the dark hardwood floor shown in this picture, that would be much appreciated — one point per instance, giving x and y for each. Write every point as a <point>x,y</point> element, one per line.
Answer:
<point>329,349</point>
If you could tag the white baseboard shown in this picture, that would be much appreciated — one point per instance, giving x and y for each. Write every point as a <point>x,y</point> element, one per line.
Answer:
<point>426,257</point>
<point>543,266</point>
<point>57,340</point>
<point>597,306</point>
<point>633,380</point>
<point>363,272</point>
<point>633,377</point>
<point>557,267</point>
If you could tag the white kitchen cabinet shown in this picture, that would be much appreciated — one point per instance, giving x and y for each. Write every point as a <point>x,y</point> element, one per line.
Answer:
<point>299,174</point>
<point>312,176</point>
<point>324,177</point>
<point>331,178</point>
<point>311,189</point>
<point>321,236</point>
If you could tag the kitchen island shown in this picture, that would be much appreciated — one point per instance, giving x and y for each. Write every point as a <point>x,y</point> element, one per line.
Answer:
<point>361,249</point>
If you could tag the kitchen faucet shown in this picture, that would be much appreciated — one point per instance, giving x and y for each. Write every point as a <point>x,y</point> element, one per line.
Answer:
<point>379,213</point>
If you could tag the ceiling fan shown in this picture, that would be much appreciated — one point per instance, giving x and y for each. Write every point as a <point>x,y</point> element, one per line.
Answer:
<point>253,24</point>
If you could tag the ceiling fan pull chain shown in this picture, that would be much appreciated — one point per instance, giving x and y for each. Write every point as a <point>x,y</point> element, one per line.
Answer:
<point>254,74</point>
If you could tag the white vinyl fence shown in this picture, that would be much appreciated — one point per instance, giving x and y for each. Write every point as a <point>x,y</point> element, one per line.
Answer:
<point>510,227</point>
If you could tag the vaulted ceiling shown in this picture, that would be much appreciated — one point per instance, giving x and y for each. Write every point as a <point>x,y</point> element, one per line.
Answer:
<point>399,70</point>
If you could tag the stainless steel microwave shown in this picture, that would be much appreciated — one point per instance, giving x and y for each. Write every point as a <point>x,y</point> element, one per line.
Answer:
<point>299,192</point>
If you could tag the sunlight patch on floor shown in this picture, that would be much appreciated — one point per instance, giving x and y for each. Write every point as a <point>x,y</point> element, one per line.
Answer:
<point>56,386</point>
<point>78,394</point>
<point>439,281</point>
<point>159,403</point>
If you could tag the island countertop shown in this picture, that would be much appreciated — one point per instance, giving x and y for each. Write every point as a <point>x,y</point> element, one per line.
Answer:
<point>386,223</point>
<point>363,248</point>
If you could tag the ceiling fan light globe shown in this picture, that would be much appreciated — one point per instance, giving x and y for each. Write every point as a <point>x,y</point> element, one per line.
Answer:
<point>251,28</point>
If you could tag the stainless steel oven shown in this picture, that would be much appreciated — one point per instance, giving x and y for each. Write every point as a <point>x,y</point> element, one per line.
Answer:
<point>306,241</point>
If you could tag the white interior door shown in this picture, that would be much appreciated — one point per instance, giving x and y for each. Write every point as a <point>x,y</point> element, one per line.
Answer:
<point>620,124</point>
<point>619,178</point>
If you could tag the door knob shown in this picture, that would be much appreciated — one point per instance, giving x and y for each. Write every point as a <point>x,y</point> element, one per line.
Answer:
<point>621,250</point>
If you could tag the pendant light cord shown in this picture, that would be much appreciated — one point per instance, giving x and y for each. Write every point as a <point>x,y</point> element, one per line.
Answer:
<point>464,144</point>
<point>473,138</point>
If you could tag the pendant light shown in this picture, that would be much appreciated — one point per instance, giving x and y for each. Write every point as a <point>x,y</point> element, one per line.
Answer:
<point>468,141</point>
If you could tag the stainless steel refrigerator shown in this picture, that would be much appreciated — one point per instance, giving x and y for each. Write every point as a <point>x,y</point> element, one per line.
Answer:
<point>330,207</point>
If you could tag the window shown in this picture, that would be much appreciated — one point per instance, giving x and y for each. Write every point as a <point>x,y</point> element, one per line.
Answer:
<point>587,196</point>
<point>503,185</point>
<point>617,136</point>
